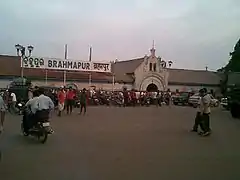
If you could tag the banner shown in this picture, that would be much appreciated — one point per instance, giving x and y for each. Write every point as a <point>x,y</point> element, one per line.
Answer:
<point>64,64</point>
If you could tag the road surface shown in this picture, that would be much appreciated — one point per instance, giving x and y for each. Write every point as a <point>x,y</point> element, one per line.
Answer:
<point>109,143</point>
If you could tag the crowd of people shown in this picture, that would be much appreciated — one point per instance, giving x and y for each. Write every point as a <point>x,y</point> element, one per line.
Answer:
<point>68,98</point>
<point>42,101</point>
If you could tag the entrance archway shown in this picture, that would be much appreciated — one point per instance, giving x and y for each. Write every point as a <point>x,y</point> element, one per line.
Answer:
<point>152,88</point>
<point>157,80</point>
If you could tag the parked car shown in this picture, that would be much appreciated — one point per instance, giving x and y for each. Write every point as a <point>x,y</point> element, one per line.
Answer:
<point>214,102</point>
<point>234,101</point>
<point>194,101</point>
<point>180,98</point>
<point>224,103</point>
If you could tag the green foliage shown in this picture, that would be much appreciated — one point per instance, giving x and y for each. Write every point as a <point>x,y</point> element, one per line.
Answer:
<point>234,63</point>
<point>232,66</point>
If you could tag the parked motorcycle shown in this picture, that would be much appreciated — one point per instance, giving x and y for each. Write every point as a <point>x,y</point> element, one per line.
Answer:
<point>104,100</point>
<point>20,107</point>
<point>117,101</point>
<point>146,101</point>
<point>94,101</point>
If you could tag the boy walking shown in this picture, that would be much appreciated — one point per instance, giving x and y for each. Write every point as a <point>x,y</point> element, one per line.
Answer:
<point>83,101</point>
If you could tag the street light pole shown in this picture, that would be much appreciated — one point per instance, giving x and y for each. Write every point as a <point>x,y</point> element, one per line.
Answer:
<point>21,52</point>
<point>65,58</point>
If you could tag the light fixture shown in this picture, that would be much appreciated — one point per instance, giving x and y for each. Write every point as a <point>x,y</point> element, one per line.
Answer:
<point>30,49</point>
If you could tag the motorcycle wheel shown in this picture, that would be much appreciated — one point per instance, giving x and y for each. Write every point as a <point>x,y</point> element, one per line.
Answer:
<point>43,136</point>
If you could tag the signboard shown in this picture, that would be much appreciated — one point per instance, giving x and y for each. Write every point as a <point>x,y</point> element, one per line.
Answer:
<point>64,64</point>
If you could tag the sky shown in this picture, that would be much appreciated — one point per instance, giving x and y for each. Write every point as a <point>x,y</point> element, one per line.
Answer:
<point>191,33</point>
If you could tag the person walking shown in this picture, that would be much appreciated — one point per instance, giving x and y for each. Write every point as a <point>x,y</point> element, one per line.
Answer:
<point>126,97</point>
<point>202,116</point>
<point>61,100</point>
<point>70,100</point>
<point>168,97</point>
<point>83,101</point>
<point>3,109</point>
<point>198,117</point>
<point>158,99</point>
<point>13,102</point>
<point>205,112</point>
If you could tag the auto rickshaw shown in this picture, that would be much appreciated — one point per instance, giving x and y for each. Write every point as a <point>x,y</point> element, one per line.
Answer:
<point>21,87</point>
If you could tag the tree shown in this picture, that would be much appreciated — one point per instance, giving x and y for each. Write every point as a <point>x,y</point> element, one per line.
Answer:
<point>234,63</point>
<point>232,66</point>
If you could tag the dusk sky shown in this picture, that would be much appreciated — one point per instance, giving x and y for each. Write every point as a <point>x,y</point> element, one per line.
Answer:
<point>191,33</point>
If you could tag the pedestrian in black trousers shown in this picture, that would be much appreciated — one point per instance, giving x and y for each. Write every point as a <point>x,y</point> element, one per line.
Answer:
<point>83,101</point>
<point>198,122</point>
<point>203,114</point>
<point>198,119</point>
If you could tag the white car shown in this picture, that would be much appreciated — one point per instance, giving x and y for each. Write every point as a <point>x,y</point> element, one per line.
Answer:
<point>214,101</point>
<point>194,100</point>
<point>224,103</point>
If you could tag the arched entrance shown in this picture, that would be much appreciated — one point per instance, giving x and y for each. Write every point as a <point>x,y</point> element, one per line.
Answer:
<point>149,82</point>
<point>152,88</point>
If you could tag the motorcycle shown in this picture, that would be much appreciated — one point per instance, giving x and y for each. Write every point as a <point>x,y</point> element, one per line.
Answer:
<point>40,130</point>
<point>20,107</point>
<point>104,100</point>
<point>94,101</point>
<point>146,101</point>
<point>116,101</point>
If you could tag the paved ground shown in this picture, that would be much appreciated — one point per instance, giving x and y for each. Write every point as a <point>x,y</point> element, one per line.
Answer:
<point>125,144</point>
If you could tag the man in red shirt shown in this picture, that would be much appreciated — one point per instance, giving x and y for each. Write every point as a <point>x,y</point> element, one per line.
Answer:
<point>61,100</point>
<point>70,100</point>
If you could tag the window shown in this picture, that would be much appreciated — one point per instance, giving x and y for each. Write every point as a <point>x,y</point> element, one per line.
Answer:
<point>150,66</point>
<point>154,67</point>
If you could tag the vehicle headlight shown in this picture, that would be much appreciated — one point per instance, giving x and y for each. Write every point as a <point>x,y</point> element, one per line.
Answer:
<point>20,104</point>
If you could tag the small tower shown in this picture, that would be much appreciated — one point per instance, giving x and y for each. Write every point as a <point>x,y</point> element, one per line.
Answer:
<point>153,50</point>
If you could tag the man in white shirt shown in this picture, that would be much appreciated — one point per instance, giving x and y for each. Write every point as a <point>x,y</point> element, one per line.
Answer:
<point>44,105</point>
<point>29,114</point>
<point>30,94</point>
<point>13,102</point>
<point>121,97</point>
<point>154,97</point>
<point>168,97</point>
<point>205,112</point>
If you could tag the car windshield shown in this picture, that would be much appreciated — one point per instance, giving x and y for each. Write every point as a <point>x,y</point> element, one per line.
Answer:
<point>196,94</point>
<point>184,94</point>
